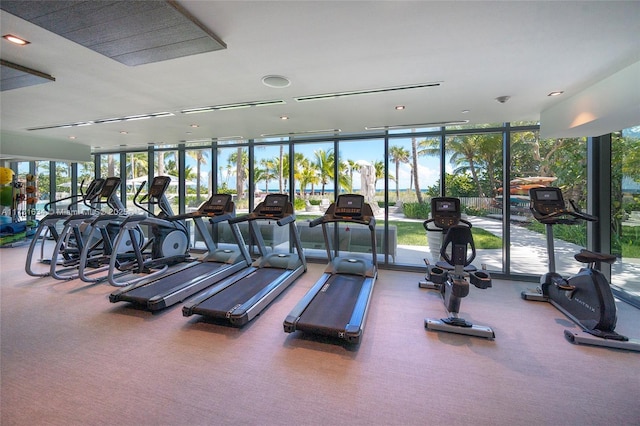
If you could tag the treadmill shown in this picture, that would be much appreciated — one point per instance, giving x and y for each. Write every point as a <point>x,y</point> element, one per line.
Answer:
<point>241,297</point>
<point>337,304</point>
<point>181,283</point>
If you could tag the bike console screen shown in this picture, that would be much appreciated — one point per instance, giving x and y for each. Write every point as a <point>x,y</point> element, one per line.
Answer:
<point>217,204</point>
<point>546,200</point>
<point>445,211</point>
<point>349,205</point>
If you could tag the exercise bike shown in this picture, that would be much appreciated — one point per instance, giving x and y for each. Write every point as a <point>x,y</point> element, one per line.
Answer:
<point>449,275</point>
<point>585,297</point>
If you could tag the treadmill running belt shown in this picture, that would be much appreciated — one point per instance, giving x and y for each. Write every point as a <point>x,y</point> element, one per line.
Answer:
<point>238,293</point>
<point>332,307</point>
<point>174,281</point>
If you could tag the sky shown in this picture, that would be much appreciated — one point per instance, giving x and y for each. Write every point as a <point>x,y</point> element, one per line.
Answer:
<point>358,151</point>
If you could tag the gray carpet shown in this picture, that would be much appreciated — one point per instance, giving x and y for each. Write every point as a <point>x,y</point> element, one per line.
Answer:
<point>69,357</point>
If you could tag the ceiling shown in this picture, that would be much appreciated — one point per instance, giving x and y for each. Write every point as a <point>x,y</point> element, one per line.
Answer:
<point>465,54</point>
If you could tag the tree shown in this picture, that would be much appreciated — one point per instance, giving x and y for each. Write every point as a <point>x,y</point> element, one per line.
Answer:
<point>324,163</point>
<point>464,151</point>
<point>240,159</point>
<point>268,171</point>
<point>414,168</point>
<point>200,156</point>
<point>397,155</point>
<point>352,167</point>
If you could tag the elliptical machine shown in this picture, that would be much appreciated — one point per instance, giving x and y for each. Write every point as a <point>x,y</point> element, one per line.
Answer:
<point>48,228</point>
<point>449,275</point>
<point>585,297</point>
<point>97,252</point>
<point>167,244</point>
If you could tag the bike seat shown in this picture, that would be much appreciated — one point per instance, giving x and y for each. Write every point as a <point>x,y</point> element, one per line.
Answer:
<point>586,256</point>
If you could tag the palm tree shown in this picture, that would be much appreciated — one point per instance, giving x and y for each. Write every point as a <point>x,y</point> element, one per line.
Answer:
<point>379,168</point>
<point>241,161</point>
<point>352,167</point>
<point>307,175</point>
<point>280,162</point>
<point>324,163</point>
<point>465,150</point>
<point>414,157</point>
<point>398,155</point>
<point>270,166</point>
<point>200,156</point>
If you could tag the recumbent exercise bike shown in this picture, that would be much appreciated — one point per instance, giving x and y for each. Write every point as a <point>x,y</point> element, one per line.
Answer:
<point>449,275</point>
<point>585,297</point>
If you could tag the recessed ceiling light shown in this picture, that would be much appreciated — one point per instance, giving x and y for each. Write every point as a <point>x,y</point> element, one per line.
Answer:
<point>194,126</point>
<point>400,107</point>
<point>276,81</point>
<point>124,132</point>
<point>465,111</point>
<point>15,39</point>
<point>72,137</point>
<point>284,117</point>
<point>556,93</point>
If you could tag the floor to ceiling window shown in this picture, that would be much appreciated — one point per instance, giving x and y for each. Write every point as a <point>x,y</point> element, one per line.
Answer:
<point>414,171</point>
<point>473,173</point>
<point>535,163</point>
<point>625,214</point>
<point>406,171</point>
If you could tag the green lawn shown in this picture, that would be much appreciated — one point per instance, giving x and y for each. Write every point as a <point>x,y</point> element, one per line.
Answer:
<point>413,234</point>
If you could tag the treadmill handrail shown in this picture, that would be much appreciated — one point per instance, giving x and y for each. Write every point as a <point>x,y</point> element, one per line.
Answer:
<point>369,221</point>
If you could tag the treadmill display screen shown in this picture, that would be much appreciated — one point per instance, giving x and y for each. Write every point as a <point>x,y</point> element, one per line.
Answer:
<point>274,204</point>
<point>218,203</point>
<point>349,205</point>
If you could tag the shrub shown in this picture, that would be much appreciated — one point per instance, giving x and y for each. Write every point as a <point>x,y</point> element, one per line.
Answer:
<point>416,210</point>
<point>299,204</point>
<point>390,204</point>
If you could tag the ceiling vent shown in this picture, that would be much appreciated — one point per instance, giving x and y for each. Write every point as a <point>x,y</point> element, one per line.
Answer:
<point>232,106</point>
<point>366,92</point>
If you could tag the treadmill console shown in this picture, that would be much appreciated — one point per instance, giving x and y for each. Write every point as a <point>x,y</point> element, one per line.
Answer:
<point>349,205</point>
<point>273,205</point>
<point>217,205</point>
<point>445,211</point>
<point>159,186</point>
<point>545,201</point>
